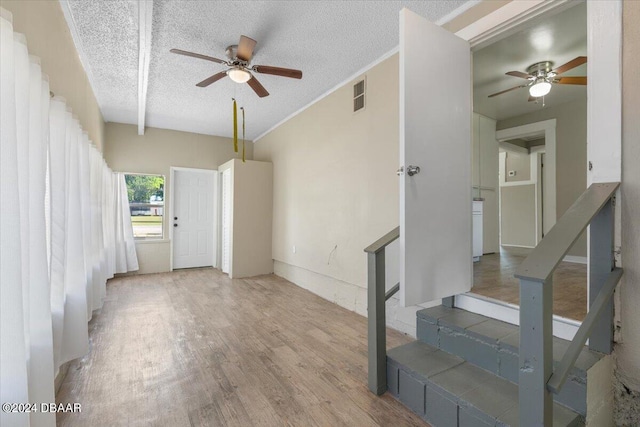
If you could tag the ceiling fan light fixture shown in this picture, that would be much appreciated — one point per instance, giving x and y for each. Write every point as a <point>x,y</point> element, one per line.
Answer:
<point>239,75</point>
<point>540,88</point>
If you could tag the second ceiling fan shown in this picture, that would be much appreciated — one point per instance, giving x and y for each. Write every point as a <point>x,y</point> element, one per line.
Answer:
<point>541,76</point>
<point>239,63</point>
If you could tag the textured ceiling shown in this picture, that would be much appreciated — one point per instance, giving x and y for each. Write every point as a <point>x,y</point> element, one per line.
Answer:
<point>558,38</point>
<point>109,36</point>
<point>327,40</point>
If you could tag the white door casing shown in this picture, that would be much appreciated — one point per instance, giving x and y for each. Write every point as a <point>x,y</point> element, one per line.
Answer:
<point>435,134</point>
<point>226,221</point>
<point>193,218</point>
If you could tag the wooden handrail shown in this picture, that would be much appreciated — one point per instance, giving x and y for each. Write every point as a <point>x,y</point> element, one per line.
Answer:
<point>543,260</point>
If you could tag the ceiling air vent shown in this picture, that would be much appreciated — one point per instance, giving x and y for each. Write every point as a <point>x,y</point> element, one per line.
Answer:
<point>358,96</point>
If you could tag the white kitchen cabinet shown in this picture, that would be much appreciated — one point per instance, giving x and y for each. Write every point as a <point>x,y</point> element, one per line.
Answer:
<point>477,230</point>
<point>485,178</point>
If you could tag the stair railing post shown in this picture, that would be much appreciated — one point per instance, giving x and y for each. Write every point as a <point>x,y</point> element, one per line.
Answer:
<point>536,352</point>
<point>377,342</point>
<point>601,263</point>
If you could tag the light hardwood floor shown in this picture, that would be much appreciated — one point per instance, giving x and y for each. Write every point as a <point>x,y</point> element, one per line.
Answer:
<point>493,277</point>
<point>193,348</point>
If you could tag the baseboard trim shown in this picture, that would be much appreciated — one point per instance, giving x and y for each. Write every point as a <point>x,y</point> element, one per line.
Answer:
<point>517,246</point>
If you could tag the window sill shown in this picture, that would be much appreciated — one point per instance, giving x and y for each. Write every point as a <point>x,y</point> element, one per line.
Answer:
<point>150,241</point>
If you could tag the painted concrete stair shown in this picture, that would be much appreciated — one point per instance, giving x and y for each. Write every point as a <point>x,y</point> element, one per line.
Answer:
<point>463,371</point>
<point>494,346</point>
<point>446,391</point>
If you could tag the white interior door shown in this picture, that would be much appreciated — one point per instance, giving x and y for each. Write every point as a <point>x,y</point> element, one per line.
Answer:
<point>193,218</point>
<point>435,134</point>
<point>226,221</point>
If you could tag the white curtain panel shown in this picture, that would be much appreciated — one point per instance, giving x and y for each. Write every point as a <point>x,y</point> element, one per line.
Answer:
<point>65,229</point>
<point>40,366</point>
<point>13,366</point>
<point>85,204</point>
<point>126,258</point>
<point>57,207</point>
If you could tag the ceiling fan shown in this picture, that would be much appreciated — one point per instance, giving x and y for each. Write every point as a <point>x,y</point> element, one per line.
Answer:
<point>239,60</point>
<point>541,76</point>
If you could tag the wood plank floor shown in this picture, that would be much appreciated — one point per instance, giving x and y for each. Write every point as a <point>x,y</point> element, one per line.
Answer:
<point>193,348</point>
<point>493,277</point>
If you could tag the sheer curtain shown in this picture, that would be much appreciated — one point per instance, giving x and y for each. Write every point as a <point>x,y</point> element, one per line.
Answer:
<point>65,229</point>
<point>126,258</point>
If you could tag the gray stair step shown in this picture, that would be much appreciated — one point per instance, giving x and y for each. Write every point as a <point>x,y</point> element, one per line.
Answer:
<point>494,346</point>
<point>447,391</point>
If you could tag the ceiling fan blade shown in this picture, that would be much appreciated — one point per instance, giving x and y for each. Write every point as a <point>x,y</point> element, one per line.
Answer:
<point>505,91</point>
<point>519,74</point>
<point>245,48</point>
<point>571,81</point>
<point>197,55</point>
<point>571,64</point>
<point>257,87</point>
<point>277,71</point>
<point>206,82</point>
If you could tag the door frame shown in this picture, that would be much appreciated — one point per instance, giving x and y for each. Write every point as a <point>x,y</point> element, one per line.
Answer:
<point>604,103</point>
<point>220,210</point>
<point>214,196</point>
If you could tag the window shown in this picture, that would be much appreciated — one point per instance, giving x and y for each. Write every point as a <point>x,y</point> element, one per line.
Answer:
<point>146,202</point>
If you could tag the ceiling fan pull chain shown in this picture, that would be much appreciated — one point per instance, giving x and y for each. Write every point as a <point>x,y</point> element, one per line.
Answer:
<point>243,159</point>
<point>235,126</point>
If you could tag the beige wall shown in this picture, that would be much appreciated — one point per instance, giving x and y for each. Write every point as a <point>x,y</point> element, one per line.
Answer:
<point>335,185</point>
<point>251,217</point>
<point>518,162</point>
<point>518,215</point>
<point>154,153</point>
<point>571,154</point>
<point>48,37</point>
<point>627,351</point>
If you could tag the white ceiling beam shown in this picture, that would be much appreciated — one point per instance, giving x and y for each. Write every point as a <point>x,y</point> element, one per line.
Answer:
<point>145,21</point>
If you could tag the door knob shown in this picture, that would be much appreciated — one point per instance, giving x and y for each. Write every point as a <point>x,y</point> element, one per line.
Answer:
<point>400,171</point>
<point>412,170</point>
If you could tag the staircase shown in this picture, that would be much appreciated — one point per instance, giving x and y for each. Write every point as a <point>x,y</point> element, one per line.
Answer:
<point>470,370</point>
<point>463,371</point>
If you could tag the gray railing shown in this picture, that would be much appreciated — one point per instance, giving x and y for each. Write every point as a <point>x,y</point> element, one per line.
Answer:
<point>376,319</point>
<point>536,377</point>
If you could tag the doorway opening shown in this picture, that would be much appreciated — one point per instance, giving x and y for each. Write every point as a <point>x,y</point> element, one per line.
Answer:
<point>529,157</point>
